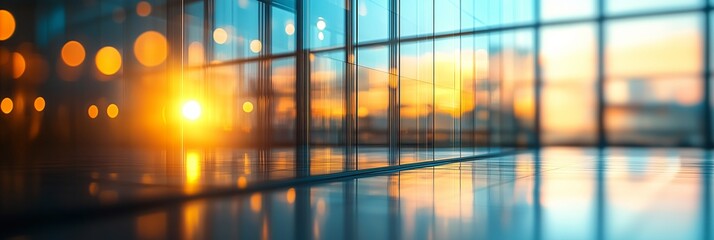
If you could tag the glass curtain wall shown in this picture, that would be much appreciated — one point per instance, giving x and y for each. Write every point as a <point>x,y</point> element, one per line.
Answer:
<point>348,85</point>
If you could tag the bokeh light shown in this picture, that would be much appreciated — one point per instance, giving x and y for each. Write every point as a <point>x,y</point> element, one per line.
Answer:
<point>256,46</point>
<point>73,53</point>
<point>220,36</point>
<point>18,65</point>
<point>320,36</point>
<point>150,48</point>
<point>93,111</point>
<point>112,110</point>
<point>6,105</point>
<point>321,24</point>
<point>195,53</point>
<point>7,25</point>
<point>108,60</point>
<point>191,110</point>
<point>290,29</point>
<point>39,104</point>
<point>143,9</point>
<point>290,195</point>
<point>248,107</point>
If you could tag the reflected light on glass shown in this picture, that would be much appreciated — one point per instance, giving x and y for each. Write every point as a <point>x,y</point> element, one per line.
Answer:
<point>143,8</point>
<point>191,110</point>
<point>73,53</point>
<point>150,48</point>
<point>362,112</point>
<point>6,105</point>
<point>18,65</point>
<point>247,107</point>
<point>220,36</point>
<point>193,171</point>
<point>108,60</point>
<point>256,46</point>
<point>39,104</point>
<point>256,202</point>
<point>7,25</point>
<point>93,111</point>
<point>112,110</point>
<point>320,36</point>
<point>242,182</point>
<point>290,29</point>
<point>290,195</point>
<point>321,24</point>
<point>195,53</point>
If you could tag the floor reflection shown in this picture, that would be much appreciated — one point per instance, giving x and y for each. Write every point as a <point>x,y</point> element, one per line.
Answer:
<point>556,193</point>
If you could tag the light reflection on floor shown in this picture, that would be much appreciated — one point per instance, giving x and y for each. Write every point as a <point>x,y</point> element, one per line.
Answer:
<point>561,193</point>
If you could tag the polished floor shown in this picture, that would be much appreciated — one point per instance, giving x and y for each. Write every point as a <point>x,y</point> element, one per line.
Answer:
<point>555,193</point>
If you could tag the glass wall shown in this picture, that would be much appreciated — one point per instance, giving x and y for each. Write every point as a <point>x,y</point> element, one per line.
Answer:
<point>381,82</point>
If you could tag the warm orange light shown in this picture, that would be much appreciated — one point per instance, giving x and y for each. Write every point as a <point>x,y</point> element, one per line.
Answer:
<point>195,53</point>
<point>6,105</point>
<point>143,9</point>
<point>256,201</point>
<point>256,46</point>
<point>242,182</point>
<point>248,107</point>
<point>290,29</point>
<point>39,104</point>
<point>362,112</point>
<point>18,65</point>
<point>112,110</point>
<point>150,48</point>
<point>92,111</point>
<point>108,60</point>
<point>193,171</point>
<point>220,36</point>
<point>7,25</point>
<point>191,110</point>
<point>290,195</point>
<point>73,53</point>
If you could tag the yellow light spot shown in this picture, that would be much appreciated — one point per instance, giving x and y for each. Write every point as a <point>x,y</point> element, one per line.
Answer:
<point>39,104</point>
<point>290,195</point>
<point>143,8</point>
<point>256,202</point>
<point>193,167</point>
<point>290,29</point>
<point>92,111</point>
<point>112,110</point>
<point>108,60</point>
<point>73,53</point>
<point>6,105</point>
<point>220,35</point>
<point>7,25</point>
<point>362,112</point>
<point>150,48</point>
<point>256,46</point>
<point>242,182</point>
<point>247,106</point>
<point>18,65</point>
<point>191,110</point>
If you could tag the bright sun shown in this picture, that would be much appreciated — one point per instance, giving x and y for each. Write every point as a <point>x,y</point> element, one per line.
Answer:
<point>191,110</point>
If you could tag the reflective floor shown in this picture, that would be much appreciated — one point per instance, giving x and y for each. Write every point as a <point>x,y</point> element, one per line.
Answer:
<point>557,193</point>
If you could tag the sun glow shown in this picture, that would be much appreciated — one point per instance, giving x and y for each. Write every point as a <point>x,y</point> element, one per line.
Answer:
<point>191,110</point>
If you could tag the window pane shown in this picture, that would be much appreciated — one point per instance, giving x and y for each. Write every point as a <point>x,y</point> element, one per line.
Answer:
<point>628,6</point>
<point>562,9</point>
<point>372,20</point>
<point>653,88</point>
<point>568,65</point>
